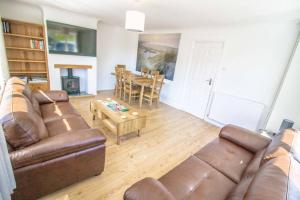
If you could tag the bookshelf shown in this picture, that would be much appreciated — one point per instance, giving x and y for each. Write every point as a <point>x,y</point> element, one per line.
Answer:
<point>26,52</point>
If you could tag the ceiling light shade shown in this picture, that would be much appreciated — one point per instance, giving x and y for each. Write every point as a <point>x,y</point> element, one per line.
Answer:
<point>135,21</point>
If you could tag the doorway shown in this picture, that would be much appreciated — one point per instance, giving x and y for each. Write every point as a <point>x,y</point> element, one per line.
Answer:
<point>204,63</point>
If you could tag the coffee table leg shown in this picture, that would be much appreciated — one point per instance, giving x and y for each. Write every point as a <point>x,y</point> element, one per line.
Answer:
<point>141,96</point>
<point>139,133</point>
<point>118,139</point>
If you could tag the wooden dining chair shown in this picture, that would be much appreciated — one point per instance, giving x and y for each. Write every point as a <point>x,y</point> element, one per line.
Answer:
<point>121,66</point>
<point>119,81</point>
<point>145,71</point>
<point>155,89</point>
<point>129,88</point>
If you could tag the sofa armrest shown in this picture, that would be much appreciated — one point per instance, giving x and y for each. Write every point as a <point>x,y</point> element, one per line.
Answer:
<point>51,96</point>
<point>245,138</point>
<point>56,146</point>
<point>148,189</point>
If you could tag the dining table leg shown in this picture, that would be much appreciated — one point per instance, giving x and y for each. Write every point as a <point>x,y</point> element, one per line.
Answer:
<point>141,96</point>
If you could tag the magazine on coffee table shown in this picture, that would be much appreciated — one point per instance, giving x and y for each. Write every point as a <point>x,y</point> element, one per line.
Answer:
<point>115,106</point>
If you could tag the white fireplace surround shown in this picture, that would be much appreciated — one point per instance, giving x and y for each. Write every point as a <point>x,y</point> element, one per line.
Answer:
<point>90,80</point>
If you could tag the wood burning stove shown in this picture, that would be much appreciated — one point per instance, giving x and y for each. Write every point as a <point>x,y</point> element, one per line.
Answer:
<point>70,83</point>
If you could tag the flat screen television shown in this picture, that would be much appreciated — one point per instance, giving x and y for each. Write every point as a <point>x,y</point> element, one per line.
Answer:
<point>72,40</point>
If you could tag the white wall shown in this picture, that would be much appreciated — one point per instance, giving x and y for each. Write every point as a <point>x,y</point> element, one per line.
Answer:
<point>254,59</point>
<point>20,11</point>
<point>30,13</point>
<point>17,11</point>
<point>4,74</point>
<point>287,103</point>
<point>115,46</point>
<point>253,62</point>
<point>66,17</point>
<point>253,54</point>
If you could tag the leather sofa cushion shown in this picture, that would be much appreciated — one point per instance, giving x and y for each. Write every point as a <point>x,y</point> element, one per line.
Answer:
<point>241,189</point>
<point>227,157</point>
<point>59,126</point>
<point>244,138</point>
<point>15,80</point>
<point>9,147</point>
<point>16,86</point>
<point>51,96</point>
<point>57,146</point>
<point>21,124</point>
<point>271,181</point>
<point>195,179</point>
<point>57,110</point>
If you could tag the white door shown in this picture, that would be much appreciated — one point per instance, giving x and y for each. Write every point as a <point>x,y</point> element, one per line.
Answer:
<point>200,78</point>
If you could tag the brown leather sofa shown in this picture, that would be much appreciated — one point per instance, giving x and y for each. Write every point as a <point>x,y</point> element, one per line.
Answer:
<point>238,165</point>
<point>50,145</point>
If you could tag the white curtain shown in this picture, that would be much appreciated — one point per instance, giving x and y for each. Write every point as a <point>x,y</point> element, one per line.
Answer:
<point>7,179</point>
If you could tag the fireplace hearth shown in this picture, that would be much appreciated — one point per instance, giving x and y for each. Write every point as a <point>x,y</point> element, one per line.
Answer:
<point>70,83</point>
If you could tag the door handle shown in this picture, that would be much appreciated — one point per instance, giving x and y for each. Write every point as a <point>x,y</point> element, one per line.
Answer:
<point>209,81</point>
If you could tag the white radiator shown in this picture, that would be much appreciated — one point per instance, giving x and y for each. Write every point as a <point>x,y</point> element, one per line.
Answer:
<point>228,109</point>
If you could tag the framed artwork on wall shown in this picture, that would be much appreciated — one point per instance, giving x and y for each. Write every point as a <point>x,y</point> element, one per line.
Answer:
<point>158,52</point>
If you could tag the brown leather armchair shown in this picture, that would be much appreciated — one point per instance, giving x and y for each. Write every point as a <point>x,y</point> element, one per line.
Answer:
<point>50,145</point>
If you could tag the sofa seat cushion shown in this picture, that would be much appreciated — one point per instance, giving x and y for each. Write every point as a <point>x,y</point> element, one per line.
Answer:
<point>151,189</point>
<point>69,124</point>
<point>54,111</point>
<point>227,157</point>
<point>195,179</point>
<point>57,146</point>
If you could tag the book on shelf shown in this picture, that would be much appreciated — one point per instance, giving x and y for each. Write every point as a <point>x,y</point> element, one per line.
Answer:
<point>6,26</point>
<point>31,44</point>
<point>38,79</point>
<point>36,44</point>
<point>41,44</point>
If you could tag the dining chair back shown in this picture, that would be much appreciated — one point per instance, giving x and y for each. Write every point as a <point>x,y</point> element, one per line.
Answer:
<point>119,81</point>
<point>154,73</point>
<point>121,66</point>
<point>145,71</point>
<point>155,89</point>
<point>129,88</point>
<point>157,84</point>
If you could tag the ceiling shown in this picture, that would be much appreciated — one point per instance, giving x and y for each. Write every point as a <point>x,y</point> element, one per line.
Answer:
<point>170,14</point>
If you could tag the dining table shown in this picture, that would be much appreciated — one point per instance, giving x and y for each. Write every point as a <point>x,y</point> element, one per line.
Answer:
<point>142,82</point>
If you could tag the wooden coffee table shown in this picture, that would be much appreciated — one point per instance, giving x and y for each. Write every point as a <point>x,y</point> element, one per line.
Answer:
<point>120,123</point>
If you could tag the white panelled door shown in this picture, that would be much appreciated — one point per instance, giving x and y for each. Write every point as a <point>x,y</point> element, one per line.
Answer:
<point>205,59</point>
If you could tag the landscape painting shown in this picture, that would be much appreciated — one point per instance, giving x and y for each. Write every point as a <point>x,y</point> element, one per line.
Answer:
<point>158,52</point>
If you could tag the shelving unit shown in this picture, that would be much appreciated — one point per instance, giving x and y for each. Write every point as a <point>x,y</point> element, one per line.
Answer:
<point>26,52</point>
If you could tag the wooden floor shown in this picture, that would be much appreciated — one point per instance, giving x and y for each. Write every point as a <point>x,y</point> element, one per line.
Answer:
<point>170,137</point>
